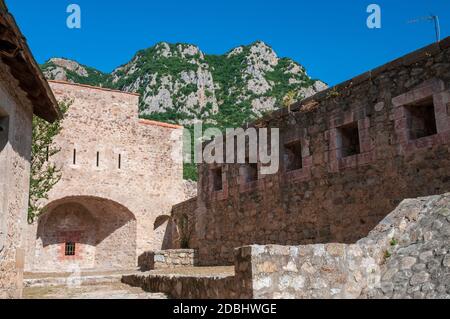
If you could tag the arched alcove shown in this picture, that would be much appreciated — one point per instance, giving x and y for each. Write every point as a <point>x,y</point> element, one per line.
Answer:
<point>85,232</point>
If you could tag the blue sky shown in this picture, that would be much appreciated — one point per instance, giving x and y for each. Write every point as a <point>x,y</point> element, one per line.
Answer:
<point>330,38</point>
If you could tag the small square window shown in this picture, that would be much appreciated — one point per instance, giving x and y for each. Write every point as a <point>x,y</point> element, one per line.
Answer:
<point>217,179</point>
<point>421,119</point>
<point>70,249</point>
<point>348,139</point>
<point>293,156</point>
<point>250,172</point>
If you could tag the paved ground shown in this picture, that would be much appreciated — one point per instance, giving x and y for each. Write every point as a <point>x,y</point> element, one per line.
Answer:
<point>103,284</point>
<point>195,271</point>
<point>40,275</point>
<point>97,291</point>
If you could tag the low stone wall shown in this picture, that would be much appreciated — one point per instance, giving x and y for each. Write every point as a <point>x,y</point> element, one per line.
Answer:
<point>405,256</point>
<point>174,258</point>
<point>164,259</point>
<point>187,287</point>
<point>312,271</point>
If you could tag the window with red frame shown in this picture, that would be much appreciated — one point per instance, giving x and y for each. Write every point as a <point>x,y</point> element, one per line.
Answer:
<point>70,249</point>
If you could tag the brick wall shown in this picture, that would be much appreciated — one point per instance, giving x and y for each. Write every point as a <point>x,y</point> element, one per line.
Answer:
<point>364,149</point>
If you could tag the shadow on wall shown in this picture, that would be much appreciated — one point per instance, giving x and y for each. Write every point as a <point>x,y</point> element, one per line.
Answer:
<point>170,234</point>
<point>88,232</point>
<point>170,240</point>
<point>146,261</point>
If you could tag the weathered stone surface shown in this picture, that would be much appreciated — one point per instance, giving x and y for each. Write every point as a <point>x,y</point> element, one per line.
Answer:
<point>119,174</point>
<point>323,273</point>
<point>419,278</point>
<point>333,197</point>
<point>15,145</point>
<point>188,287</point>
<point>426,256</point>
<point>417,265</point>
<point>446,261</point>
<point>407,262</point>
<point>168,259</point>
<point>183,216</point>
<point>414,267</point>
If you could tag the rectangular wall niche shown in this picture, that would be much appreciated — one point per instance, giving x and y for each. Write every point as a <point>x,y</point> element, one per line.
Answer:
<point>421,119</point>
<point>293,156</point>
<point>217,179</point>
<point>74,157</point>
<point>348,139</point>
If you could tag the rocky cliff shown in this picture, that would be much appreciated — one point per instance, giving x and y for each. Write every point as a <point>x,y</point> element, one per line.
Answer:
<point>181,84</point>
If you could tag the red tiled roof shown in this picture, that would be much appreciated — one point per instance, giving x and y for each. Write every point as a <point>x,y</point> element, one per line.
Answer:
<point>151,122</point>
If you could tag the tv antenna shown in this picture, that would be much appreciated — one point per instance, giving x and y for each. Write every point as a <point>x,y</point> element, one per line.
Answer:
<point>433,18</point>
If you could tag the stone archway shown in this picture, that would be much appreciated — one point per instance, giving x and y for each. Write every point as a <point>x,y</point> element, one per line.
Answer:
<point>85,233</point>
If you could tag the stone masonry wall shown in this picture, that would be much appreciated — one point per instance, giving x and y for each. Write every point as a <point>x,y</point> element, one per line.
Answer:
<point>310,272</point>
<point>15,145</point>
<point>167,259</point>
<point>405,256</point>
<point>416,255</point>
<point>336,197</point>
<point>104,234</point>
<point>175,258</point>
<point>187,287</point>
<point>237,286</point>
<point>123,170</point>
